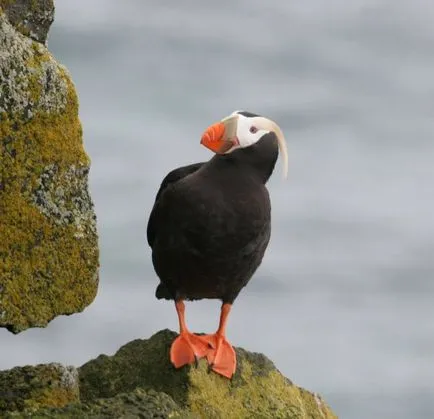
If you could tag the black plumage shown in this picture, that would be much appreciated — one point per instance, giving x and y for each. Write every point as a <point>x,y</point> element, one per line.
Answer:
<point>211,222</point>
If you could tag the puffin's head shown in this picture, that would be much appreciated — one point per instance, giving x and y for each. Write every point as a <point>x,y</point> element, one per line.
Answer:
<point>240,130</point>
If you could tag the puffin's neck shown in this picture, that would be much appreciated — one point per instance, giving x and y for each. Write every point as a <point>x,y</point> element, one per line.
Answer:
<point>257,160</point>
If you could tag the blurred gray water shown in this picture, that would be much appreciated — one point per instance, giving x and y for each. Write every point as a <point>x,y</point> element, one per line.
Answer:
<point>343,302</point>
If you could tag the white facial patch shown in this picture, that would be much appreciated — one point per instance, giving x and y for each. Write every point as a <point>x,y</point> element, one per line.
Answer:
<point>246,136</point>
<point>250,130</point>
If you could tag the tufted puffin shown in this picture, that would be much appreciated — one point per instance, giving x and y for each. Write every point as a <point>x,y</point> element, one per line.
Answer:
<point>210,226</point>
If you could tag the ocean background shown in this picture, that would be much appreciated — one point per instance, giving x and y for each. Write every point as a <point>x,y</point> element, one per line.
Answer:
<point>344,300</point>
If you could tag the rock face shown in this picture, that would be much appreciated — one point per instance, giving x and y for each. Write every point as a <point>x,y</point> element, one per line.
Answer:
<point>139,382</point>
<point>32,18</point>
<point>29,388</point>
<point>48,237</point>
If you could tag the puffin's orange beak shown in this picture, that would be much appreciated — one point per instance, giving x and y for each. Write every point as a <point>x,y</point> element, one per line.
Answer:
<point>214,138</point>
<point>221,136</point>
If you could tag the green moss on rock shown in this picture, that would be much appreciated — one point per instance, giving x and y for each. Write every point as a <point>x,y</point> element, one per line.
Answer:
<point>136,404</point>
<point>48,247</point>
<point>140,363</point>
<point>32,387</point>
<point>257,389</point>
<point>140,382</point>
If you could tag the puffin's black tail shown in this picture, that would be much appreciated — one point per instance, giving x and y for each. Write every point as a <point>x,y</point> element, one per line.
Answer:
<point>163,292</point>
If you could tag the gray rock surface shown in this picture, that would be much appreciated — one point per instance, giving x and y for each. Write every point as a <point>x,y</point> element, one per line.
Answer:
<point>32,18</point>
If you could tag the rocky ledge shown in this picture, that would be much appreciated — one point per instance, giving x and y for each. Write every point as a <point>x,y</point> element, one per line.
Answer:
<point>139,382</point>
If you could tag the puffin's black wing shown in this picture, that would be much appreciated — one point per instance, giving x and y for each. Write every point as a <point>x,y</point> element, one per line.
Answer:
<point>170,178</point>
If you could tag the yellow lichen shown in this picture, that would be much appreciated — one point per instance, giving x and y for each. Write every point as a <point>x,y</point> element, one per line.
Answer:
<point>57,397</point>
<point>212,396</point>
<point>45,268</point>
<point>257,389</point>
<point>33,387</point>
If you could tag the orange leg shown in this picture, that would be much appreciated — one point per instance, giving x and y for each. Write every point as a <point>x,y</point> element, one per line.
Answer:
<point>187,348</point>
<point>221,357</point>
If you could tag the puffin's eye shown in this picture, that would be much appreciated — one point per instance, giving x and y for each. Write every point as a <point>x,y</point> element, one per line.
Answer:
<point>253,129</point>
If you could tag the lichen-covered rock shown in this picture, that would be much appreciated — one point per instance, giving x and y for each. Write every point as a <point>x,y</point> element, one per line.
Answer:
<point>31,17</point>
<point>32,387</point>
<point>139,403</point>
<point>140,382</point>
<point>48,237</point>
<point>257,390</point>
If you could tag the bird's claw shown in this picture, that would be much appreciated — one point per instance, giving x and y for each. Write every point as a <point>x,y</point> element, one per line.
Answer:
<point>210,367</point>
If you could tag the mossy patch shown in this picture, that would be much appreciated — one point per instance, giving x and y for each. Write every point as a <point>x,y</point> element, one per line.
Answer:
<point>140,363</point>
<point>250,396</point>
<point>48,247</point>
<point>140,404</point>
<point>32,387</point>
<point>257,389</point>
<point>143,403</point>
<point>140,382</point>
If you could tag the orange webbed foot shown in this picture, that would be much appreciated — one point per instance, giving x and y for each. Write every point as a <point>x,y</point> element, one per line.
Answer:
<point>221,356</point>
<point>187,348</point>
